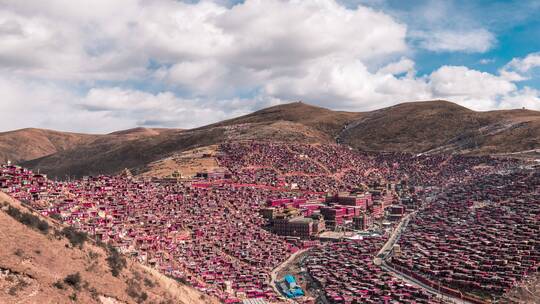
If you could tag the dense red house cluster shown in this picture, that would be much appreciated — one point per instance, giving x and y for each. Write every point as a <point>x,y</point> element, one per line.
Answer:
<point>347,274</point>
<point>481,237</point>
<point>209,232</point>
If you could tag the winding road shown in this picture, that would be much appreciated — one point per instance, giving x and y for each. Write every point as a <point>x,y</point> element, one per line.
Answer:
<point>386,252</point>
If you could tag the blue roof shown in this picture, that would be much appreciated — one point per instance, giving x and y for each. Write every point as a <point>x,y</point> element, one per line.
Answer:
<point>290,288</point>
<point>290,279</point>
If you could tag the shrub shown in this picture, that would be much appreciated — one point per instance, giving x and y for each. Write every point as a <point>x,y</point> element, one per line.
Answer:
<point>28,219</point>
<point>56,216</point>
<point>149,283</point>
<point>43,226</point>
<point>58,285</point>
<point>75,237</point>
<point>133,291</point>
<point>73,297</point>
<point>73,280</point>
<point>115,260</point>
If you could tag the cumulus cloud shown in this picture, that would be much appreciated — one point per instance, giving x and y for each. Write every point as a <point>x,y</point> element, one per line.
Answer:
<point>526,64</point>
<point>404,65</point>
<point>346,84</point>
<point>461,81</point>
<point>527,97</point>
<point>161,109</point>
<point>106,65</point>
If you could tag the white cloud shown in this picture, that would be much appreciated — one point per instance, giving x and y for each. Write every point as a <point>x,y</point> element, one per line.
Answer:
<point>527,98</point>
<point>461,81</point>
<point>29,103</point>
<point>471,88</point>
<point>346,84</point>
<point>525,64</point>
<point>486,60</point>
<point>404,65</point>
<point>91,65</point>
<point>470,41</point>
<point>519,69</point>
<point>161,109</point>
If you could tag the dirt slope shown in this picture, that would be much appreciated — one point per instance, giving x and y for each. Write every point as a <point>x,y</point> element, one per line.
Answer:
<point>34,267</point>
<point>105,156</point>
<point>28,144</point>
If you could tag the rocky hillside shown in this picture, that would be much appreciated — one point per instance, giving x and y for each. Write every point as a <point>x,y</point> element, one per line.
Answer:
<point>42,263</point>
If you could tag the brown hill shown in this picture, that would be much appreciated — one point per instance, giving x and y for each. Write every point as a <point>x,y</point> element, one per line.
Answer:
<point>27,144</point>
<point>430,126</point>
<point>111,153</point>
<point>442,126</point>
<point>39,265</point>
<point>326,122</point>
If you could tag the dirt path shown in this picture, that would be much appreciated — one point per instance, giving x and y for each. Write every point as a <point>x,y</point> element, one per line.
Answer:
<point>280,267</point>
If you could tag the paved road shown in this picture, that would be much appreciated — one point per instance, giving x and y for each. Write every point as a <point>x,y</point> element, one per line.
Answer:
<point>419,284</point>
<point>384,253</point>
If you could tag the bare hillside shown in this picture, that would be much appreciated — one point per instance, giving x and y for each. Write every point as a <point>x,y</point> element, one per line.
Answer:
<point>430,126</point>
<point>297,122</point>
<point>38,264</point>
<point>27,144</point>
<point>442,126</point>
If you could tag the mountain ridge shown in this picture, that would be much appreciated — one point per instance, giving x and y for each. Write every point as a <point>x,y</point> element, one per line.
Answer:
<point>417,127</point>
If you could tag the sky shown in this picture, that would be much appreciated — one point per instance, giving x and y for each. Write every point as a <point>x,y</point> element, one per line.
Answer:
<point>98,66</point>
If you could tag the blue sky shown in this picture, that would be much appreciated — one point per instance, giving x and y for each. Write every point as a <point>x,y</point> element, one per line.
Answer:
<point>99,66</point>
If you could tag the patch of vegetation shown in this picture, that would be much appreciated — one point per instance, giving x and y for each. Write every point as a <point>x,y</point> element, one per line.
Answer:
<point>73,280</point>
<point>116,261</point>
<point>93,255</point>
<point>58,285</point>
<point>93,293</point>
<point>133,291</point>
<point>76,238</point>
<point>28,219</point>
<point>19,252</point>
<point>149,283</point>
<point>181,280</point>
<point>73,297</point>
<point>56,216</point>
<point>15,289</point>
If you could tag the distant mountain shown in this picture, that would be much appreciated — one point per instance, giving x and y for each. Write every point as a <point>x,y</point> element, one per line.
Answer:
<point>325,122</point>
<point>38,264</point>
<point>442,126</point>
<point>298,122</point>
<point>419,127</point>
<point>27,144</point>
